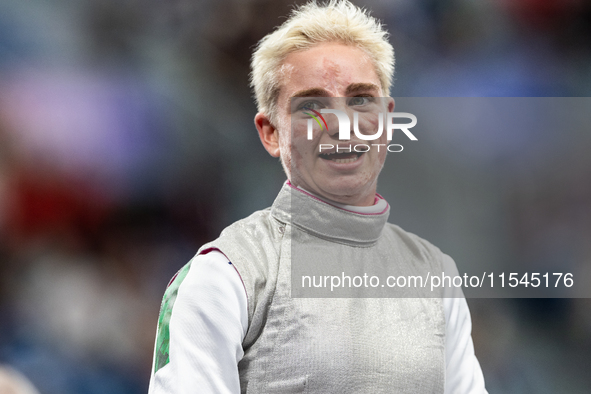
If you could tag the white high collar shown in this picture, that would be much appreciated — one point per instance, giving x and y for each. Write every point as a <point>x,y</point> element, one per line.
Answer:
<point>379,205</point>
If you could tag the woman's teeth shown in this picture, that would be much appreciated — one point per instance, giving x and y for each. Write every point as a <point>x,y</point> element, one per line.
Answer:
<point>342,157</point>
<point>342,161</point>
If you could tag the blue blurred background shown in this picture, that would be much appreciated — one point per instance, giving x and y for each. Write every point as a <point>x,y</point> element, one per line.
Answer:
<point>127,141</point>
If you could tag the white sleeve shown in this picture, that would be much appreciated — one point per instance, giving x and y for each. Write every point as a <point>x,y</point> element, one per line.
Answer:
<point>208,321</point>
<point>463,374</point>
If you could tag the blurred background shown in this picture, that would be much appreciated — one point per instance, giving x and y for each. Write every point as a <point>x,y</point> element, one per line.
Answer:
<point>127,141</point>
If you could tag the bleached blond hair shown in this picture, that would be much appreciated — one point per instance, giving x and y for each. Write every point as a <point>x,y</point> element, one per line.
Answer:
<point>337,21</point>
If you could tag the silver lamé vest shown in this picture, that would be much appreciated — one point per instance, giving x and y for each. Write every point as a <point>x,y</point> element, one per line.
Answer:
<point>332,345</point>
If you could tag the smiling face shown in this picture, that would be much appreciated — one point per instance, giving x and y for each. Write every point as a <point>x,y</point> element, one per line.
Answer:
<point>334,76</point>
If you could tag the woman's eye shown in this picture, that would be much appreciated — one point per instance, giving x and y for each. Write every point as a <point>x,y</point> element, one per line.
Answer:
<point>359,100</point>
<point>308,105</point>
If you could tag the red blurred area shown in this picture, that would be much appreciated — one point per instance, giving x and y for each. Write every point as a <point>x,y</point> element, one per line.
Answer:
<point>48,204</point>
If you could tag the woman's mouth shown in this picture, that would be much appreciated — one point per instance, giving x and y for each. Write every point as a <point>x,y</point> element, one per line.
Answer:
<point>341,158</point>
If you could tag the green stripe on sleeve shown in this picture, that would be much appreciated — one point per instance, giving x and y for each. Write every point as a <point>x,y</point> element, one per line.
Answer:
<point>163,335</point>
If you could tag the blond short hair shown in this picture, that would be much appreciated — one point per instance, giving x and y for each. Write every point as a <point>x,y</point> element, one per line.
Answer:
<point>337,21</point>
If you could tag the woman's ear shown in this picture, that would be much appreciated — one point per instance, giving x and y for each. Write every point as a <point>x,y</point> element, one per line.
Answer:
<point>391,104</point>
<point>268,134</point>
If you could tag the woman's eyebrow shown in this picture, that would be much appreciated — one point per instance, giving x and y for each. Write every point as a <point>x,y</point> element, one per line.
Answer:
<point>313,92</point>
<point>361,87</point>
